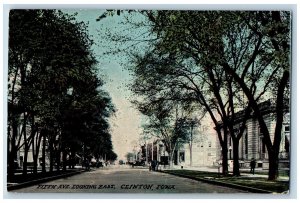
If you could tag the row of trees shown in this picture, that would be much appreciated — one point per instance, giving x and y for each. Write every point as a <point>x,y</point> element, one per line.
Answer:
<point>219,62</point>
<point>55,101</point>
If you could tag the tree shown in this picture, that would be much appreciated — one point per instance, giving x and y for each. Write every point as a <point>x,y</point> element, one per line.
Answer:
<point>217,44</point>
<point>274,28</point>
<point>178,82</point>
<point>234,55</point>
<point>181,73</point>
<point>49,55</point>
<point>130,156</point>
<point>165,121</point>
<point>188,126</point>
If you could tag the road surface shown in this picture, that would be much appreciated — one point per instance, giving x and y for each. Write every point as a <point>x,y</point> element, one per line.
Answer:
<point>122,179</point>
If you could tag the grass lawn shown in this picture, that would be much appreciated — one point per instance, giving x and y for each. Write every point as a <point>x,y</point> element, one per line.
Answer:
<point>255,182</point>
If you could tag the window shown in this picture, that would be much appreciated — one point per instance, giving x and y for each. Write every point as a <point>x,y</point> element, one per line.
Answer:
<point>262,141</point>
<point>209,144</point>
<point>181,156</point>
<point>287,128</point>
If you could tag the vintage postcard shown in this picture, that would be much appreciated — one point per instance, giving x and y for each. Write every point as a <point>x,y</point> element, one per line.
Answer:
<point>149,101</point>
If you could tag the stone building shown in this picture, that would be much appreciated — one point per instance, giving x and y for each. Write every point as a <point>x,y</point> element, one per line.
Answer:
<point>252,144</point>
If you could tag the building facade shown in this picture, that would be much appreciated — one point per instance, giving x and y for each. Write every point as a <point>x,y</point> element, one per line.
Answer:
<point>200,151</point>
<point>205,149</point>
<point>252,145</point>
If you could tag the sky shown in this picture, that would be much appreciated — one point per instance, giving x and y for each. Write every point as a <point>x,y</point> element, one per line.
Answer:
<point>125,124</point>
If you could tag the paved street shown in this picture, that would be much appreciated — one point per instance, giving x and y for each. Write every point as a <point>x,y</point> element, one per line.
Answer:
<point>122,179</point>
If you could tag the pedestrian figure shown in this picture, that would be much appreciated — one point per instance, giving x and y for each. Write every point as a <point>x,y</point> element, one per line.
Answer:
<point>252,165</point>
<point>153,164</point>
<point>87,165</point>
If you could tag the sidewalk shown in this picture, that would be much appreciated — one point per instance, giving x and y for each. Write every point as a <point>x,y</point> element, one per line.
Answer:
<point>257,183</point>
<point>12,186</point>
<point>243,171</point>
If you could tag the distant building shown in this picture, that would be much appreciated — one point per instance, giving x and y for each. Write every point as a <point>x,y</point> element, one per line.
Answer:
<point>252,143</point>
<point>155,150</point>
<point>203,154</point>
<point>206,149</point>
<point>202,151</point>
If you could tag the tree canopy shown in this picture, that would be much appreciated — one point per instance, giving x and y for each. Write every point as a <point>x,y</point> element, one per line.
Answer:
<point>54,87</point>
<point>227,62</point>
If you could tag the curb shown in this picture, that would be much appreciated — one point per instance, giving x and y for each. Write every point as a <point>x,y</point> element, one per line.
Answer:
<point>30,183</point>
<point>231,185</point>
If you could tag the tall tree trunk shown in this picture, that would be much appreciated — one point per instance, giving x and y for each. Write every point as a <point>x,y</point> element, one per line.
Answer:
<point>25,159</point>
<point>64,159</point>
<point>37,149</point>
<point>253,103</point>
<point>13,149</point>
<point>44,153</point>
<point>34,156</point>
<point>26,148</point>
<point>51,152</point>
<point>280,106</point>
<point>222,139</point>
<point>58,159</point>
<point>64,152</point>
<point>12,154</point>
<point>34,145</point>
<point>58,152</point>
<point>236,164</point>
<point>171,155</point>
<point>8,153</point>
<point>273,165</point>
<point>224,151</point>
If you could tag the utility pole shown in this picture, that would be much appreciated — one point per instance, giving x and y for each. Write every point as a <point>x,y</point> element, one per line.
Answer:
<point>152,152</point>
<point>146,152</point>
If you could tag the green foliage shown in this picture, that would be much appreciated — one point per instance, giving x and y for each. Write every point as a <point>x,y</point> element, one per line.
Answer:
<point>130,156</point>
<point>224,61</point>
<point>238,53</point>
<point>52,77</point>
